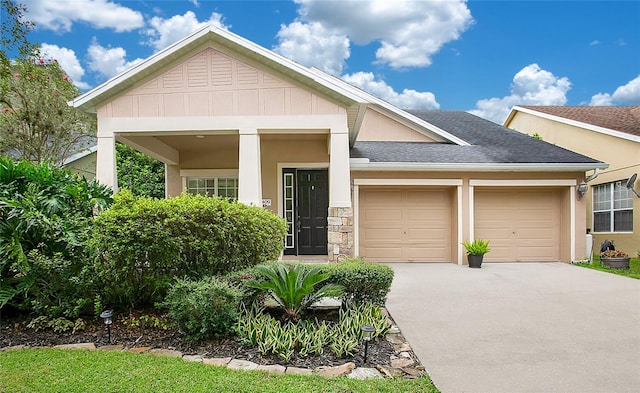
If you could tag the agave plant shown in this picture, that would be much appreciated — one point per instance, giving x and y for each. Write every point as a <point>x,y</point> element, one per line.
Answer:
<point>293,287</point>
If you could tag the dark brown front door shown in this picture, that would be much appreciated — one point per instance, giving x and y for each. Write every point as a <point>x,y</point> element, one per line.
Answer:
<point>311,208</point>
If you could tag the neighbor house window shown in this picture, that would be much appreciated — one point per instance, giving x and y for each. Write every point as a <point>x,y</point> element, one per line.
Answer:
<point>224,187</point>
<point>612,208</point>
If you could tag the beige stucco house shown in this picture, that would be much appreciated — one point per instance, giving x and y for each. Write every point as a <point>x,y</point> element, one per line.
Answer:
<point>607,133</point>
<point>350,173</point>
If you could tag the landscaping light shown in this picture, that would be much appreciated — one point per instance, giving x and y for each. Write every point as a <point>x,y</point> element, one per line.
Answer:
<point>367,332</point>
<point>106,315</point>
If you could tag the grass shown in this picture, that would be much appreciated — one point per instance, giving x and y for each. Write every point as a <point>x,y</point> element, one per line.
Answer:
<point>633,271</point>
<point>55,370</point>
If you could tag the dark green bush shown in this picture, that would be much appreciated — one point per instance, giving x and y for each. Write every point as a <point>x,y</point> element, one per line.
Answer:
<point>142,243</point>
<point>362,281</point>
<point>203,309</point>
<point>45,217</point>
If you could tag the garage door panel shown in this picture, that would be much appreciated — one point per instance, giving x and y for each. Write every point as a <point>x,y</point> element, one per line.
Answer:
<point>521,224</point>
<point>420,220</point>
<point>382,234</point>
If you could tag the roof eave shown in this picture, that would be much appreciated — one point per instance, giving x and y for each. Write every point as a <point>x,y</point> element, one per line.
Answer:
<point>360,164</point>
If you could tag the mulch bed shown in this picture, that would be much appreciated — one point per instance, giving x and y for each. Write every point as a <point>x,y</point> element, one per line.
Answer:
<point>14,331</point>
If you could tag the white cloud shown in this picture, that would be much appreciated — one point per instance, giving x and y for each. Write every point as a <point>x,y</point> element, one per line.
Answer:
<point>531,86</point>
<point>314,46</point>
<point>108,61</point>
<point>594,43</point>
<point>410,32</point>
<point>408,99</point>
<point>59,15</point>
<point>628,94</point>
<point>68,62</point>
<point>164,32</point>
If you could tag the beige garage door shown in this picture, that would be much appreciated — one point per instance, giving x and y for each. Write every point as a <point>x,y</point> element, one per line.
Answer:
<point>522,225</point>
<point>405,225</point>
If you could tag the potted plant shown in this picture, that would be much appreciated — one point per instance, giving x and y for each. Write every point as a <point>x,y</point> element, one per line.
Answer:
<point>615,259</point>
<point>476,251</point>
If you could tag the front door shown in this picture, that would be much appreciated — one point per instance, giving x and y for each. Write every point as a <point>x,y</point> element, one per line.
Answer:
<point>306,205</point>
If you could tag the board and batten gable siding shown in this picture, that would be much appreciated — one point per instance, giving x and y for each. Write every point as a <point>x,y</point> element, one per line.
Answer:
<point>211,83</point>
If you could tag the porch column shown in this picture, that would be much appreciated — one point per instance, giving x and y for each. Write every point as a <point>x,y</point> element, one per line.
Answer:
<point>340,216</point>
<point>249,171</point>
<point>339,170</point>
<point>106,162</point>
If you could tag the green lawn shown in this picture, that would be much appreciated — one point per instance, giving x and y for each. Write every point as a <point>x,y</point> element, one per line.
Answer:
<point>51,370</point>
<point>633,271</point>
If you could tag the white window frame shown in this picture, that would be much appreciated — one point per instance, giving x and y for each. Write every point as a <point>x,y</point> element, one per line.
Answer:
<point>215,174</point>
<point>611,209</point>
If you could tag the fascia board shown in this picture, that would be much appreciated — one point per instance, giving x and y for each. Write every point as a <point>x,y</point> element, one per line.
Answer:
<point>360,165</point>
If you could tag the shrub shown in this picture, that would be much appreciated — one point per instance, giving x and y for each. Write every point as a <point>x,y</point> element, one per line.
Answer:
<point>362,281</point>
<point>293,287</point>
<point>203,309</point>
<point>45,218</point>
<point>141,243</point>
<point>305,337</point>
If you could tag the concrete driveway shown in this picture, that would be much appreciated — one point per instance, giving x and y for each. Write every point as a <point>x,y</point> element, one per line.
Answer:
<point>526,327</point>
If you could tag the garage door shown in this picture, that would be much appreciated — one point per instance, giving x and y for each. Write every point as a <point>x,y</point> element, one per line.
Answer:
<point>405,225</point>
<point>521,225</point>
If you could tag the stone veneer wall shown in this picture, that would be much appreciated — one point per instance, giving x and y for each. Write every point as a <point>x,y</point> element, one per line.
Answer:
<point>340,233</point>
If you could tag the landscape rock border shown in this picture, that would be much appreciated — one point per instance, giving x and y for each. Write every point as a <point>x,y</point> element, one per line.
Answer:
<point>403,364</point>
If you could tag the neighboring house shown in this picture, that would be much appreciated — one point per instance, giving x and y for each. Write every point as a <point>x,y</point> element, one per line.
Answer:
<point>607,133</point>
<point>350,173</point>
<point>83,162</point>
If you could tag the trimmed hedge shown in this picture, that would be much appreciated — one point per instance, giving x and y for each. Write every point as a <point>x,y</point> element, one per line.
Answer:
<point>362,281</point>
<point>140,244</point>
<point>205,308</point>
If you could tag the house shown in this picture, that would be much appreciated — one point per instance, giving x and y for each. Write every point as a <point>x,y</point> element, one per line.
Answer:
<point>350,173</point>
<point>83,162</point>
<point>607,133</point>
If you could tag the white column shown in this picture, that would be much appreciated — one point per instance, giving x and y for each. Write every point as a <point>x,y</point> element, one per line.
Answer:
<point>339,170</point>
<point>106,162</point>
<point>249,169</point>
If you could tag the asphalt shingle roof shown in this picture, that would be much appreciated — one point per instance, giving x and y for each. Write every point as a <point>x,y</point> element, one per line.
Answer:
<point>490,143</point>
<point>619,118</point>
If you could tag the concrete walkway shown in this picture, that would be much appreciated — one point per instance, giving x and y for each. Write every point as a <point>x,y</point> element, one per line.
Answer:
<point>527,327</point>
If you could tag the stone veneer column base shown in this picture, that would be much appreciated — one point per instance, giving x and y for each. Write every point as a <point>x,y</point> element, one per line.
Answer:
<point>340,233</point>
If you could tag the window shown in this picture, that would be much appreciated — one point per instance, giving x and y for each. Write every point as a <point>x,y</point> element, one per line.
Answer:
<point>224,187</point>
<point>612,208</point>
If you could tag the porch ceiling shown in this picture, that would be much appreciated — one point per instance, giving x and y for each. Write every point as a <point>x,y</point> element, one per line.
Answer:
<point>193,142</point>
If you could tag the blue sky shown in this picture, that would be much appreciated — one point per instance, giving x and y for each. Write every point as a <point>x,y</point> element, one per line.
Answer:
<point>479,56</point>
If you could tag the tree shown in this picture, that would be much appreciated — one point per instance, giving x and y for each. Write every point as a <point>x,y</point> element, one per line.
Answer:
<point>141,174</point>
<point>36,123</point>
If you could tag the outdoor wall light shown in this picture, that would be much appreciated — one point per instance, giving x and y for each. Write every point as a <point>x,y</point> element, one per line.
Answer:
<point>106,315</point>
<point>367,332</point>
<point>631,184</point>
<point>582,190</point>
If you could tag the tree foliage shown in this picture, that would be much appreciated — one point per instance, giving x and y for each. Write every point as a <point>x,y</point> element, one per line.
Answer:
<point>141,174</point>
<point>45,216</point>
<point>14,29</point>
<point>36,123</point>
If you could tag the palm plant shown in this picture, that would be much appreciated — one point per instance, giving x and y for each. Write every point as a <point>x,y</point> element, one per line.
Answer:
<point>293,287</point>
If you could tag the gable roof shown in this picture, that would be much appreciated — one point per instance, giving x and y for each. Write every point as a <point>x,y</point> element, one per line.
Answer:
<point>493,147</point>
<point>354,99</point>
<point>619,121</point>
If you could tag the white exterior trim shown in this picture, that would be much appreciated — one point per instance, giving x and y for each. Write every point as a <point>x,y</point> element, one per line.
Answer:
<point>523,183</point>
<point>80,154</point>
<point>339,173</point>
<point>192,125</point>
<point>357,183</point>
<point>408,182</point>
<point>472,213</point>
<point>572,230</point>
<point>574,123</point>
<point>360,165</point>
